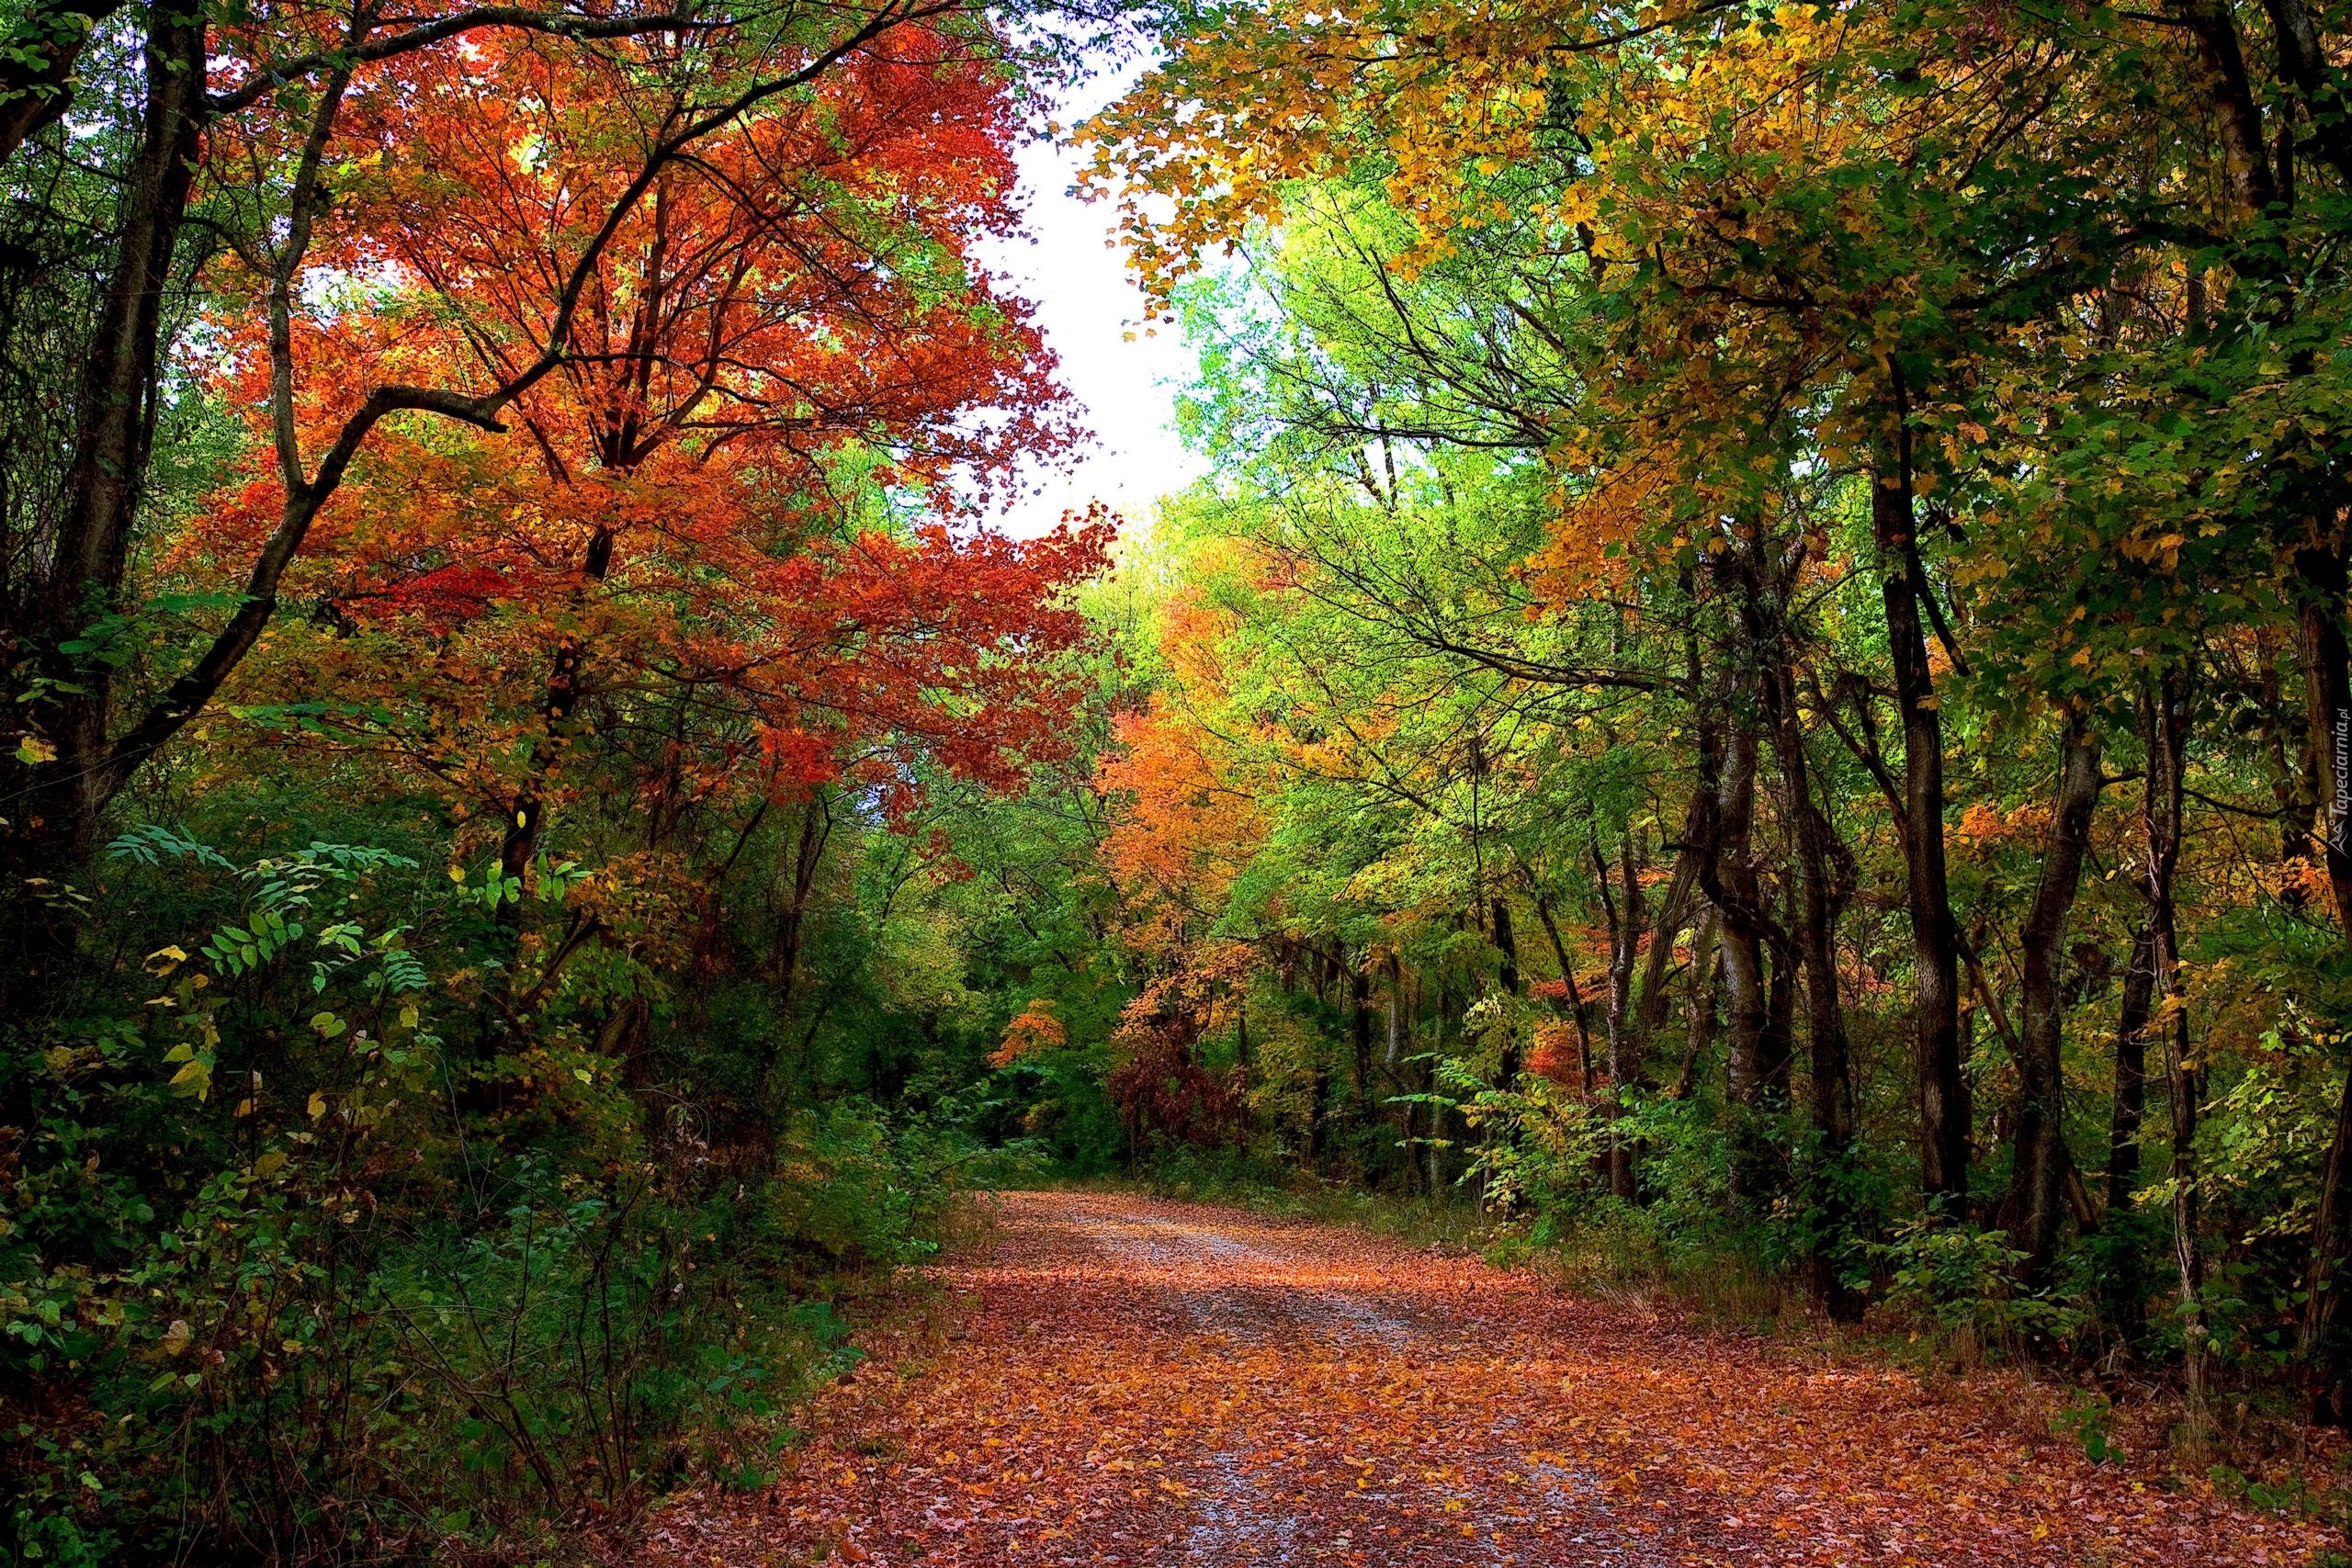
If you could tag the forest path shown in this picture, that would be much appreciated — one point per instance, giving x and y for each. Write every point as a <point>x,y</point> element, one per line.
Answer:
<point>1143,1383</point>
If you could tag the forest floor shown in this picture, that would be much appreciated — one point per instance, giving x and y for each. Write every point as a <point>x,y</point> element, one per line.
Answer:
<point>1119,1381</point>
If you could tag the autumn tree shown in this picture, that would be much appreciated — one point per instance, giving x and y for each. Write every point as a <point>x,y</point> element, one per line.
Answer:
<point>222,171</point>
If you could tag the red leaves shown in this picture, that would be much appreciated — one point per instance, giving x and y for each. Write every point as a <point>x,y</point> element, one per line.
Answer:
<point>1139,1382</point>
<point>1165,1096</point>
<point>780,353</point>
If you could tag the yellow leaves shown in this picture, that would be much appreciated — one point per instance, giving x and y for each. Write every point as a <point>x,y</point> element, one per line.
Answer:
<point>2161,550</point>
<point>34,750</point>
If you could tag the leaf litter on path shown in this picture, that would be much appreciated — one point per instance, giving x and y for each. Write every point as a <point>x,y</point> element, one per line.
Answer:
<point>1141,1383</point>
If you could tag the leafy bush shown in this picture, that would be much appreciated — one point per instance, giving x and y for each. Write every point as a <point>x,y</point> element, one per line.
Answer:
<point>1962,1283</point>
<point>306,1259</point>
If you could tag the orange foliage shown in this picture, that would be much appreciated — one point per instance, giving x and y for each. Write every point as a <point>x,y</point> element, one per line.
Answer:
<point>1183,832</point>
<point>1033,1032</point>
<point>784,338</point>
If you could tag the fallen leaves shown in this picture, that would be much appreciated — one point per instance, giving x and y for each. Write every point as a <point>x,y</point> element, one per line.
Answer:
<point>1146,1383</point>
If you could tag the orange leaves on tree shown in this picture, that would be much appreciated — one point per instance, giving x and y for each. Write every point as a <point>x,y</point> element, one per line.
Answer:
<point>1033,1032</point>
<point>1184,830</point>
<point>781,353</point>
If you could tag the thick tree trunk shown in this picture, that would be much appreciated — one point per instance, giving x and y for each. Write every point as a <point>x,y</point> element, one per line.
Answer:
<point>2327,664</point>
<point>2036,1197</point>
<point>1505,943</point>
<point>52,823</point>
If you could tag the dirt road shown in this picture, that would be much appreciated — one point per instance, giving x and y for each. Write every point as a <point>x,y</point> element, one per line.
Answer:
<point>1135,1382</point>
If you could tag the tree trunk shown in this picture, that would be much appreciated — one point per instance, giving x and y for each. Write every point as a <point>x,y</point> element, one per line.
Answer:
<point>526,813</point>
<point>1755,1102</point>
<point>1625,927</point>
<point>2165,716</point>
<point>52,823</point>
<point>1824,884</point>
<point>2036,1197</point>
<point>1681,901</point>
<point>791,924</point>
<point>1574,998</point>
<point>1701,1021</point>
<point>37,74</point>
<point>2131,1071</point>
<point>2328,681</point>
<point>1505,943</point>
<point>1935,958</point>
<point>1360,1028</point>
<point>1396,987</point>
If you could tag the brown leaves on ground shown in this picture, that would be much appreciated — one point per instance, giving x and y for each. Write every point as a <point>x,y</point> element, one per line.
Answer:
<point>1137,1383</point>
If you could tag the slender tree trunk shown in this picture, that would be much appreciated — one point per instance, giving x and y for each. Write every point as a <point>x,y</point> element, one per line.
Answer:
<point>1755,1164</point>
<point>1396,969</point>
<point>1681,903</point>
<point>1935,957</point>
<point>1823,882</point>
<point>1319,1118</point>
<point>797,880</point>
<point>1701,1021</point>
<point>1505,943</point>
<point>2131,1071</point>
<point>1627,921</point>
<point>525,821</point>
<point>791,926</point>
<point>2037,1195</point>
<point>2164,715</point>
<point>1359,1032</point>
<point>1436,1153</point>
<point>1574,998</point>
<point>2291,755</point>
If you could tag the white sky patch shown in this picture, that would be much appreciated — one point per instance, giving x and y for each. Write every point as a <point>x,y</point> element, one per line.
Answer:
<point>1091,315</point>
